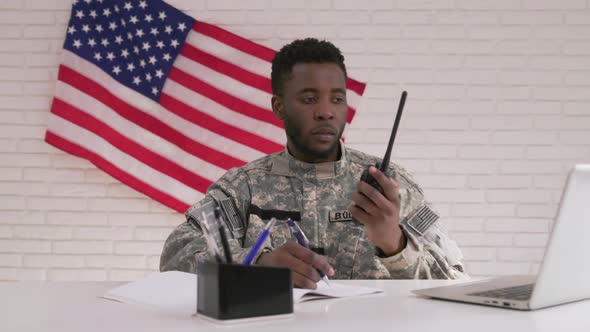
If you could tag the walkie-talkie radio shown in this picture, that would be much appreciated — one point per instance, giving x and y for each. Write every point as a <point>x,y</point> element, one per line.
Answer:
<point>366,176</point>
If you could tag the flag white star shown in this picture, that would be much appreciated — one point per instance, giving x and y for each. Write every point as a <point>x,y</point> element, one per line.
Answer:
<point>125,53</point>
<point>162,15</point>
<point>129,36</point>
<point>160,44</point>
<point>167,57</point>
<point>148,77</point>
<point>142,4</point>
<point>93,13</point>
<point>159,73</point>
<point>152,60</point>
<point>106,12</point>
<point>72,30</point>
<point>116,9</point>
<point>154,31</point>
<point>142,63</point>
<point>181,26</point>
<point>77,43</point>
<point>104,42</point>
<point>155,91</point>
<point>139,33</point>
<point>135,49</point>
<point>133,19</point>
<point>110,56</point>
<point>118,39</point>
<point>168,29</point>
<point>91,42</point>
<point>97,56</point>
<point>116,70</point>
<point>88,1</point>
<point>123,23</point>
<point>148,18</point>
<point>146,46</point>
<point>85,28</point>
<point>99,28</point>
<point>128,6</point>
<point>136,80</point>
<point>174,43</point>
<point>130,66</point>
<point>79,14</point>
<point>113,26</point>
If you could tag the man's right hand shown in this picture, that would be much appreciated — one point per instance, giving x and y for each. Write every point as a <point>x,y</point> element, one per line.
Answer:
<point>302,262</point>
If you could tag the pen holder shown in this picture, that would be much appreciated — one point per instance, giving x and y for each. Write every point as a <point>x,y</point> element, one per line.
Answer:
<point>232,291</point>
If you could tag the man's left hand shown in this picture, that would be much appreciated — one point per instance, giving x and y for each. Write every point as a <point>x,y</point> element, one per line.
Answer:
<point>380,212</point>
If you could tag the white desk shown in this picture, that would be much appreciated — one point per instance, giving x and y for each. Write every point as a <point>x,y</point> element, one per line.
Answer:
<point>75,306</point>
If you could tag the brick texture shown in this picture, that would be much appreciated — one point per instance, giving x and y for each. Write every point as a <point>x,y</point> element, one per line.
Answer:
<point>498,111</point>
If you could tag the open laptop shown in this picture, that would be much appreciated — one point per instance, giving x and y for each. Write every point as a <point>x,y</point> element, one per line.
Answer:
<point>564,275</point>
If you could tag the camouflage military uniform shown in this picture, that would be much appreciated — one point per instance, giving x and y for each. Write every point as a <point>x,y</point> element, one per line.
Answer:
<point>322,194</point>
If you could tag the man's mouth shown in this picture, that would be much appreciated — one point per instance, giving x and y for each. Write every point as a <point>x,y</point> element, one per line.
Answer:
<point>324,133</point>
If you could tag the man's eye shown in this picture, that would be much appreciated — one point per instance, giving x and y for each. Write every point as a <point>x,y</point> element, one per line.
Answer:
<point>338,100</point>
<point>308,100</point>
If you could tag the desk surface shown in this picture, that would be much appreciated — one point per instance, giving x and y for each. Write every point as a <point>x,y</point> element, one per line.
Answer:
<point>76,306</point>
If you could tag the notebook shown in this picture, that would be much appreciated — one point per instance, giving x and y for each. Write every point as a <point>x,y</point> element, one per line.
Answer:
<point>176,292</point>
<point>565,272</point>
<point>335,290</point>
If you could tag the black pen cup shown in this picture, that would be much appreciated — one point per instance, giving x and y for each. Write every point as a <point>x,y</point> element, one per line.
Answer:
<point>233,291</point>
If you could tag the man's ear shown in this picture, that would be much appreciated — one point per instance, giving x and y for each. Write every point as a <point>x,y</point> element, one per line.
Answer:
<point>278,108</point>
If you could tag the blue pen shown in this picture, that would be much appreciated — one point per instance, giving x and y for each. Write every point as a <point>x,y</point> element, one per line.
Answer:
<point>259,242</point>
<point>303,241</point>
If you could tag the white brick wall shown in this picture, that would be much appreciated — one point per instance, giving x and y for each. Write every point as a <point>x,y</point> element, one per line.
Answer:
<point>498,110</point>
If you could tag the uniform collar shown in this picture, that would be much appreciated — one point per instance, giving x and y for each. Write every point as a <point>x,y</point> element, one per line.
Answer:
<point>285,164</point>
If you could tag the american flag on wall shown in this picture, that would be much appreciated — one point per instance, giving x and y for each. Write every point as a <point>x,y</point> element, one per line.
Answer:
<point>162,102</point>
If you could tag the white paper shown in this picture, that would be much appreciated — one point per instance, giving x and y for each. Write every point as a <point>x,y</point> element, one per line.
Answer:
<point>171,291</point>
<point>334,290</point>
<point>176,292</point>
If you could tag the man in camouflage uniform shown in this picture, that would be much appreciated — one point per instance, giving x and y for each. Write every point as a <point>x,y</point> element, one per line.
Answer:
<point>365,234</point>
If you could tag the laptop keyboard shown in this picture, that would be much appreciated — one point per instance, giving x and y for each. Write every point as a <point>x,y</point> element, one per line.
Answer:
<point>519,293</point>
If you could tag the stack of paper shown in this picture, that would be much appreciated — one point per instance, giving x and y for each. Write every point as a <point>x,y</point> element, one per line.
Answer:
<point>172,291</point>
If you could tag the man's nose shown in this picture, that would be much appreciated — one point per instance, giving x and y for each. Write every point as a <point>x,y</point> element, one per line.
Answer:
<point>324,110</point>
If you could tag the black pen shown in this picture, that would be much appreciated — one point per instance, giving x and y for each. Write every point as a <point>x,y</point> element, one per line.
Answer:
<point>224,243</point>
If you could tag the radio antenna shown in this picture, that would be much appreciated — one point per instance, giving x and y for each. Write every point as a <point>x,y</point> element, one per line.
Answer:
<point>387,157</point>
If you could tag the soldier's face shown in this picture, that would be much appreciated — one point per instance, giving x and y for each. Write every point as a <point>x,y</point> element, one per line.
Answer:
<point>313,109</point>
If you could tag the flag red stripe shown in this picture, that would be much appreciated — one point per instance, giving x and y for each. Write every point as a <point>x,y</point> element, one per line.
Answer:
<point>129,147</point>
<point>234,41</point>
<point>229,101</point>
<point>146,121</point>
<point>350,115</point>
<point>355,86</point>
<point>254,49</point>
<point>115,172</point>
<point>223,98</point>
<point>239,135</point>
<point>226,68</point>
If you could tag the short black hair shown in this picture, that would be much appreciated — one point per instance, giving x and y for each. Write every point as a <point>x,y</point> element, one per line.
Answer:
<point>308,50</point>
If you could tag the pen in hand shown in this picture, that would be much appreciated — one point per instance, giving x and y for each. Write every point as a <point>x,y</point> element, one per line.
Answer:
<point>303,241</point>
<point>259,242</point>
